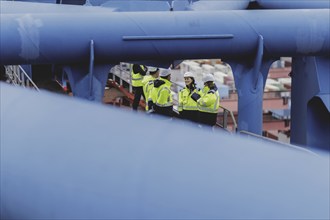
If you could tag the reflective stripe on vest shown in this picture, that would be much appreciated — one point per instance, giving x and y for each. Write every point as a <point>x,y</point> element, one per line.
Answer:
<point>190,108</point>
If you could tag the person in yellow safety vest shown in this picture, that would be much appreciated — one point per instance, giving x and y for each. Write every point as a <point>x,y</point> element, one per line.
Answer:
<point>138,72</point>
<point>161,94</point>
<point>187,107</point>
<point>208,102</point>
<point>148,84</point>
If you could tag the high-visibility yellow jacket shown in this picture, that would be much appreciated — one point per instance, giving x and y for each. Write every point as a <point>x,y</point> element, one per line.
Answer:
<point>209,101</point>
<point>161,93</point>
<point>185,101</point>
<point>148,84</point>
<point>137,73</point>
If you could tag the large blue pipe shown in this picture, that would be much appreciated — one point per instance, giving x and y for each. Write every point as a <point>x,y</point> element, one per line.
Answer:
<point>290,4</point>
<point>50,38</point>
<point>7,7</point>
<point>220,4</point>
<point>67,166</point>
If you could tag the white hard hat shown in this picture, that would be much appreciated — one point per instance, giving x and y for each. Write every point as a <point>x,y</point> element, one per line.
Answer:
<point>188,74</point>
<point>152,69</point>
<point>165,72</point>
<point>208,78</point>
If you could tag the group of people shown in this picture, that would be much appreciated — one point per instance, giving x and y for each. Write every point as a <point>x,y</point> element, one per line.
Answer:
<point>194,104</point>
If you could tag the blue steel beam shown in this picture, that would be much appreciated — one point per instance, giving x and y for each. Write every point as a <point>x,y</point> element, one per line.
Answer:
<point>71,2</point>
<point>38,38</point>
<point>205,4</point>
<point>67,166</point>
<point>7,7</point>
<point>28,38</point>
<point>138,5</point>
<point>149,5</point>
<point>290,4</point>
<point>310,105</point>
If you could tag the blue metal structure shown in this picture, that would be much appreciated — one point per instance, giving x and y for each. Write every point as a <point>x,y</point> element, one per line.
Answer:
<point>81,165</point>
<point>246,40</point>
<point>34,7</point>
<point>287,4</point>
<point>155,5</point>
<point>310,108</point>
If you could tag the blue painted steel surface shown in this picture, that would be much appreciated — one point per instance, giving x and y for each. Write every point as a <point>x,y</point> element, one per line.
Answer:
<point>7,7</point>
<point>250,82</point>
<point>38,1</point>
<point>180,5</point>
<point>72,2</point>
<point>138,5</point>
<point>35,38</point>
<point>29,38</point>
<point>200,4</point>
<point>250,77</point>
<point>208,5</point>
<point>310,90</point>
<point>291,4</point>
<point>85,84</point>
<point>67,166</point>
<point>318,121</point>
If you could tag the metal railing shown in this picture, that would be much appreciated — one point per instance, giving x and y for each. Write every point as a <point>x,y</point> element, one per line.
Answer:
<point>17,76</point>
<point>123,72</point>
<point>224,114</point>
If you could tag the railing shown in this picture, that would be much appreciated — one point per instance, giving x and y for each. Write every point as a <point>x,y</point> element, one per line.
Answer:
<point>123,72</point>
<point>266,95</point>
<point>224,115</point>
<point>19,77</point>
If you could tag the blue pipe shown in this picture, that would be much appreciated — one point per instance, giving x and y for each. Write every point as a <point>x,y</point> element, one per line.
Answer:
<point>38,38</point>
<point>290,4</point>
<point>17,7</point>
<point>219,4</point>
<point>67,166</point>
<point>27,38</point>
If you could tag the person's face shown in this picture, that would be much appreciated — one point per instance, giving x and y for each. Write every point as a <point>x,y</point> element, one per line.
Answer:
<point>187,80</point>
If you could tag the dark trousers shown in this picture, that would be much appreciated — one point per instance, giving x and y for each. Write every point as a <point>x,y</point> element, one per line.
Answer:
<point>165,111</point>
<point>138,92</point>
<point>209,119</point>
<point>190,115</point>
